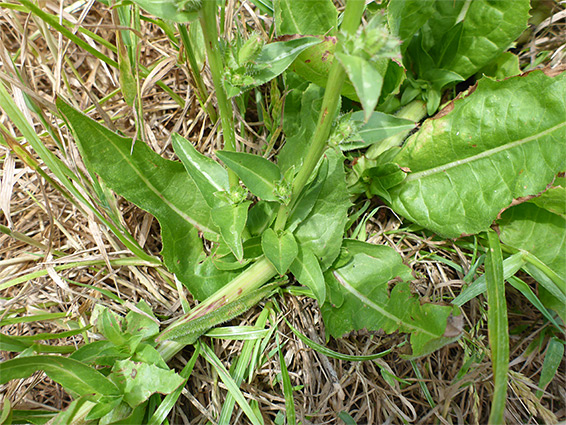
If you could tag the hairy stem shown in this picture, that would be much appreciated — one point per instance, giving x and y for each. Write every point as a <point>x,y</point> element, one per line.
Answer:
<point>336,78</point>
<point>250,279</point>
<point>210,33</point>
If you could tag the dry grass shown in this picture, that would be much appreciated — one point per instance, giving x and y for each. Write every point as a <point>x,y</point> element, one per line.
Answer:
<point>63,233</point>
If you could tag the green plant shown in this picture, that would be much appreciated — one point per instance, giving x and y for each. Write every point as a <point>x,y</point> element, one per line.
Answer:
<point>461,171</point>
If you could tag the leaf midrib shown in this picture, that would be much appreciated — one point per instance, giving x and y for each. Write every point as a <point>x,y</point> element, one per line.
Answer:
<point>481,155</point>
<point>166,201</point>
<point>365,300</point>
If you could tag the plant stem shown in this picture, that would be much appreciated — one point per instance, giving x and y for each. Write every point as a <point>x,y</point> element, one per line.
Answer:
<point>202,93</point>
<point>210,33</point>
<point>249,280</point>
<point>336,78</point>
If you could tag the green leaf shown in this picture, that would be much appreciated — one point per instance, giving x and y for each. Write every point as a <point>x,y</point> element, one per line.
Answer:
<point>366,78</point>
<point>230,384</point>
<point>145,325</point>
<point>406,17</point>
<point>307,271</point>
<point>155,184</point>
<point>379,127</point>
<point>505,66</point>
<point>272,61</point>
<point>497,326</point>
<point>167,10</point>
<point>553,358</point>
<point>103,353</point>
<point>302,109</point>
<point>314,17</point>
<point>323,228</point>
<point>542,233</point>
<point>358,297</point>
<point>231,220</point>
<point>461,36</point>
<point>308,197</point>
<point>483,164</point>
<point>314,65</point>
<point>258,174</point>
<point>208,175</point>
<point>138,380</point>
<point>110,328</point>
<point>205,278</point>
<point>260,216</point>
<point>554,199</point>
<point>281,250</point>
<point>71,374</point>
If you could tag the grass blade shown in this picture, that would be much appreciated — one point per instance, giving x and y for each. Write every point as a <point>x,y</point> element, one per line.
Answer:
<point>170,400</point>
<point>230,384</point>
<point>333,354</point>
<point>287,386</point>
<point>497,326</point>
<point>243,364</point>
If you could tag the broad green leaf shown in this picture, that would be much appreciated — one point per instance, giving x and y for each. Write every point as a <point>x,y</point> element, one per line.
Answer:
<point>367,78</point>
<point>227,260</point>
<point>71,374</point>
<point>155,184</point>
<point>146,325</point>
<point>272,61</point>
<point>166,9</point>
<point>102,353</point>
<point>497,326</point>
<point>323,228</point>
<point>281,250</point>
<point>358,297</point>
<point>379,127</point>
<point>314,65</point>
<point>306,200</point>
<point>542,233</point>
<point>302,110</point>
<point>406,17</point>
<point>469,164</point>
<point>231,220</point>
<point>554,199</point>
<point>306,270</point>
<point>314,17</point>
<point>260,216</point>
<point>138,380</point>
<point>260,175</point>
<point>208,175</point>
<point>505,66</point>
<point>461,36</point>
<point>276,57</point>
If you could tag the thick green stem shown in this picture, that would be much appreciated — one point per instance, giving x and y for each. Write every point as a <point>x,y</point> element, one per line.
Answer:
<point>249,280</point>
<point>202,93</point>
<point>210,33</point>
<point>336,78</point>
